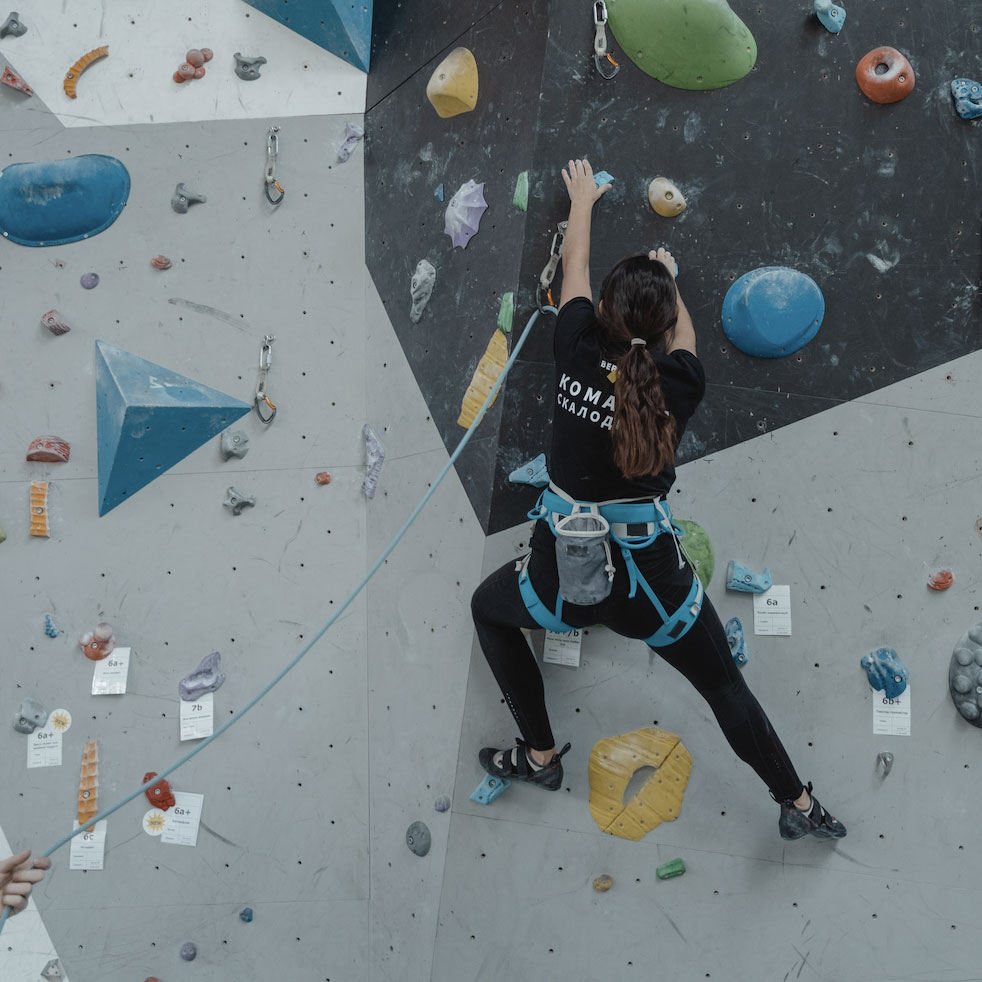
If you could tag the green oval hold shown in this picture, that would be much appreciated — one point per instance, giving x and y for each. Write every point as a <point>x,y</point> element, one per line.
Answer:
<point>697,548</point>
<point>689,44</point>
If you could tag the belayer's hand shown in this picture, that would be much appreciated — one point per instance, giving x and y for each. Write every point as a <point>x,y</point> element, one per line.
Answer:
<point>17,878</point>
<point>580,184</point>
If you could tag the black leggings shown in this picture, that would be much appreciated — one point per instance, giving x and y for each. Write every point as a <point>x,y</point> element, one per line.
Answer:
<point>702,655</point>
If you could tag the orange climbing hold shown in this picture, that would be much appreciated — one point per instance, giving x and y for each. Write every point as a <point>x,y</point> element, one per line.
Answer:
<point>885,75</point>
<point>161,795</point>
<point>941,579</point>
<point>71,76</point>
<point>88,785</point>
<point>39,508</point>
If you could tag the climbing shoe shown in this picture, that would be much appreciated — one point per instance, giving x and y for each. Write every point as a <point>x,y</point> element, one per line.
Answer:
<point>515,765</point>
<point>795,823</point>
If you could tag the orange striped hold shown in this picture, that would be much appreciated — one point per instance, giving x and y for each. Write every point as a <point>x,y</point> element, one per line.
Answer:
<point>941,579</point>
<point>73,73</point>
<point>88,785</point>
<point>39,508</point>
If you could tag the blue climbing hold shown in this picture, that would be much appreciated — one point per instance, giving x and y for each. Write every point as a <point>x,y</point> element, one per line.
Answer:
<point>339,26</point>
<point>738,577</point>
<point>438,193</point>
<point>489,789</point>
<point>772,311</point>
<point>50,628</point>
<point>149,418</point>
<point>602,177</point>
<point>61,201</point>
<point>968,98</point>
<point>532,472</point>
<point>245,915</point>
<point>736,641</point>
<point>831,16</point>
<point>886,671</point>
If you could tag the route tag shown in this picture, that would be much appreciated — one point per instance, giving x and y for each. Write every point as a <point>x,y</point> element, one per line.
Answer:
<point>772,611</point>
<point>88,849</point>
<point>563,649</point>
<point>198,717</point>
<point>109,675</point>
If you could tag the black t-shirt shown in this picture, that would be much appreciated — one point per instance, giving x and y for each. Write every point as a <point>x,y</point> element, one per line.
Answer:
<point>581,460</point>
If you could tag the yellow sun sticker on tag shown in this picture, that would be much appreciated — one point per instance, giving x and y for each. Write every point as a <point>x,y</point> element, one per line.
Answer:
<point>61,720</point>
<point>154,822</point>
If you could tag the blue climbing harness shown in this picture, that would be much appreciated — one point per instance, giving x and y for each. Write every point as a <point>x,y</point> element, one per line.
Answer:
<point>633,525</point>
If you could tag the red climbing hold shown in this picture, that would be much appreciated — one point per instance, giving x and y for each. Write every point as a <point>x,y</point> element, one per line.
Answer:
<point>893,83</point>
<point>51,449</point>
<point>941,580</point>
<point>161,794</point>
<point>323,478</point>
<point>10,78</point>
<point>161,262</point>
<point>195,57</point>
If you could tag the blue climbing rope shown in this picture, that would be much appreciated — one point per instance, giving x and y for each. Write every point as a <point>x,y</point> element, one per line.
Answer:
<point>326,627</point>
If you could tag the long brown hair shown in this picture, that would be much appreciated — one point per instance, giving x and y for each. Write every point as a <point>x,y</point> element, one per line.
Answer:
<point>639,301</point>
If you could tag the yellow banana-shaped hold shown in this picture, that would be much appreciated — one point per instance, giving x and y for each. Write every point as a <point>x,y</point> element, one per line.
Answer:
<point>488,371</point>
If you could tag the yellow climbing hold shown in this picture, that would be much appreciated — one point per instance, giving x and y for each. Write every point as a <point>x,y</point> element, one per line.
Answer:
<point>613,763</point>
<point>452,88</point>
<point>665,197</point>
<point>488,371</point>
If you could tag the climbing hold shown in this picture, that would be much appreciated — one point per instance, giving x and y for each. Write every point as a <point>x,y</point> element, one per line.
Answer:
<point>886,671</point>
<point>189,951</point>
<point>738,577</point>
<point>12,26</point>
<point>71,76</point>
<point>602,177</point>
<point>736,640</point>
<point>88,784</point>
<point>489,789</point>
<point>418,838</point>
<point>3,534</point>
<point>421,288</point>
<point>506,312</point>
<point>54,322</point>
<point>50,629</point>
<point>520,199</point>
<point>603,882</point>
<point>149,418</point>
<point>30,716</point>
<point>463,215</point>
<point>442,804</point>
<point>199,72</point>
<point>665,198</point>
<point>613,763</point>
<point>60,201</point>
<point>161,795</point>
<point>11,78</point>
<point>884,760</point>
<point>487,373</point>
<point>195,58</point>
<point>207,677</point>
<point>438,192</point>
<point>831,15</point>
<point>235,501</point>
<point>53,972</point>
<point>234,443</point>
<point>161,262</point>
<point>248,68</point>
<point>941,579</point>
<point>452,88</point>
<point>697,548</point>
<point>533,472</point>
<point>700,44</point>
<point>772,311</point>
<point>968,98</point>
<point>322,478</point>
<point>183,73</point>
<point>965,675</point>
<point>39,508</point>
<point>376,454</point>
<point>51,449</point>
<point>666,871</point>
<point>352,134</point>
<point>245,915</point>
<point>89,281</point>
<point>184,197</point>
<point>893,83</point>
<point>99,642</point>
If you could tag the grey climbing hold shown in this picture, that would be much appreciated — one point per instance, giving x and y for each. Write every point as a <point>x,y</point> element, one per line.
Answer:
<point>442,804</point>
<point>736,641</point>
<point>490,788</point>
<point>12,25</point>
<point>207,677</point>
<point>532,472</point>
<point>738,577</point>
<point>30,716</point>
<point>248,68</point>
<point>89,281</point>
<point>235,443</point>
<point>53,972</point>
<point>50,628</point>
<point>184,197</point>
<point>245,915</point>
<point>376,454</point>
<point>418,838</point>
<point>886,671</point>
<point>235,501</point>
<point>421,288</point>
<point>965,675</point>
<point>352,134</point>
<point>831,15</point>
<point>968,98</point>
<point>884,759</point>
<point>189,951</point>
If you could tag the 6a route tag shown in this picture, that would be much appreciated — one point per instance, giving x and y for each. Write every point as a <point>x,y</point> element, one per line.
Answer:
<point>109,675</point>
<point>772,611</point>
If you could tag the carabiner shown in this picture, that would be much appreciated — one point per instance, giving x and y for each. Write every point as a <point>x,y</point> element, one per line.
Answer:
<point>272,150</point>
<point>555,254</point>
<point>600,52</point>
<point>265,360</point>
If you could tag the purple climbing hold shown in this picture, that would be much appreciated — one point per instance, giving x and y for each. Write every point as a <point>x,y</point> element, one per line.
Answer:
<point>89,281</point>
<point>463,216</point>
<point>189,951</point>
<point>207,677</point>
<point>442,804</point>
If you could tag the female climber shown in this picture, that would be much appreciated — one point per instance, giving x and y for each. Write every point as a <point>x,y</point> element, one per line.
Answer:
<point>603,549</point>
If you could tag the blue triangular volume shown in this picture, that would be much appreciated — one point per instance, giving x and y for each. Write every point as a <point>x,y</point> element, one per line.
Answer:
<point>149,418</point>
<point>340,26</point>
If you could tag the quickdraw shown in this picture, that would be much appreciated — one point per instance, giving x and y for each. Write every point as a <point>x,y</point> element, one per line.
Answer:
<point>600,53</point>
<point>265,360</point>
<point>272,150</point>
<point>549,273</point>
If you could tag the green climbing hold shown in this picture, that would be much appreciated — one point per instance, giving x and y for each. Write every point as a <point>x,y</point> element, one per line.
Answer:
<point>667,870</point>
<point>695,44</point>
<point>521,198</point>
<point>697,548</point>
<point>506,312</point>
<point>3,535</point>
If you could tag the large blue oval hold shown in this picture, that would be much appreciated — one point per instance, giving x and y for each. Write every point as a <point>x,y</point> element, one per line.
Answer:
<point>61,201</point>
<point>772,311</point>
